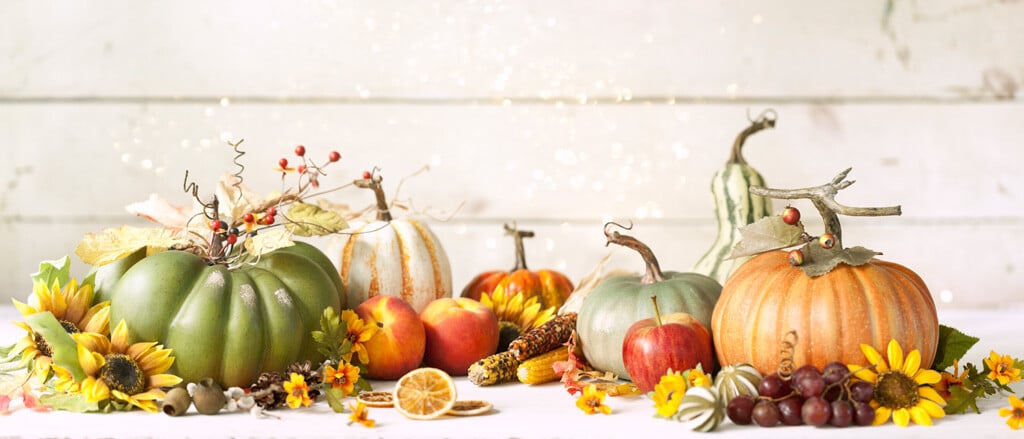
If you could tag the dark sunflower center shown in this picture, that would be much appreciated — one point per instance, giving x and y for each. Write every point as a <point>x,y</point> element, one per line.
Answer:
<point>896,390</point>
<point>44,347</point>
<point>123,374</point>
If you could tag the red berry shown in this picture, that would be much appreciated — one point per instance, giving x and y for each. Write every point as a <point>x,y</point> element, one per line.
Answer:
<point>269,219</point>
<point>827,240</point>
<point>367,175</point>
<point>791,215</point>
<point>248,218</point>
<point>300,150</point>
<point>796,258</point>
<point>271,211</point>
<point>283,163</point>
<point>214,225</point>
<point>232,239</point>
<point>334,156</point>
<point>302,169</point>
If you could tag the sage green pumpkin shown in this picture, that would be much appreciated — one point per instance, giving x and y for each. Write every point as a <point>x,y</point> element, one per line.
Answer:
<point>229,324</point>
<point>618,302</point>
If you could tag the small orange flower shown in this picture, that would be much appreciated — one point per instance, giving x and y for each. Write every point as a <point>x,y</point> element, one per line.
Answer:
<point>697,378</point>
<point>592,401</point>
<point>1002,369</point>
<point>360,414</point>
<point>358,334</point>
<point>951,380</point>
<point>1015,413</point>
<point>298,392</point>
<point>343,378</point>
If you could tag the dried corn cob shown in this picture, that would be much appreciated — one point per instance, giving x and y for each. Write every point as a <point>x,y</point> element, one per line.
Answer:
<point>495,369</point>
<point>552,334</point>
<point>539,369</point>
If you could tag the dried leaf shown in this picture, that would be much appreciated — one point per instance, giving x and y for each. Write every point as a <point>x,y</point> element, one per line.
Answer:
<point>266,242</point>
<point>309,220</point>
<point>819,261</point>
<point>160,211</point>
<point>113,244</point>
<point>766,234</point>
<point>234,198</point>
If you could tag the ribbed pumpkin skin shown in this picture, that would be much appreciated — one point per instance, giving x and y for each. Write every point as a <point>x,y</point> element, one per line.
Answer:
<point>229,325</point>
<point>832,314</point>
<point>400,258</point>
<point>618,302</point>
<point>551,287</point>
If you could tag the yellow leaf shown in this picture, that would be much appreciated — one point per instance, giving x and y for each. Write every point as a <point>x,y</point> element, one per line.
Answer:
<point>113,244</point>
<point>266,242</point>
<point>309,220</point>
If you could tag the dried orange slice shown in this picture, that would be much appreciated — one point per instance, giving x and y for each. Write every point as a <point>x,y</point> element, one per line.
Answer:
<point>376,399</point>
<point>470,408</point>
<point>424,393</point>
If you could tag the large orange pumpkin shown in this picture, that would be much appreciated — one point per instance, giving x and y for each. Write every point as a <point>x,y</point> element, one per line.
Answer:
<point>832,314</point>
<point>551,287</point>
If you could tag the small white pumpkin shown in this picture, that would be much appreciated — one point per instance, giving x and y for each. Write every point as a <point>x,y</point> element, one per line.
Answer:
<point>701,409</point>
<point>737,379</point>
<point>394,257</point>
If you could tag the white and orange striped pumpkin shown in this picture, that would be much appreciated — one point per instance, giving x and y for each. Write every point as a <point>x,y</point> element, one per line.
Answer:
<point>394,257</point>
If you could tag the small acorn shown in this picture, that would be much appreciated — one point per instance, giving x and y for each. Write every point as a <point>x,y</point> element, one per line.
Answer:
<point>176,402</point>
<point>208,397</point>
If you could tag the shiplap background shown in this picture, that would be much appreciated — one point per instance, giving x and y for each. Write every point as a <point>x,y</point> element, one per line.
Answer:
<point>560,115</point>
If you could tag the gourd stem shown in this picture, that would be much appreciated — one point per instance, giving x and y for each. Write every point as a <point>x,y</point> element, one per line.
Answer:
<point>657,313</point>
<point>373,183</point>
<point>823,198</point>
<point>518,236</point>
<point>653,273</point>
<point>766,120</point>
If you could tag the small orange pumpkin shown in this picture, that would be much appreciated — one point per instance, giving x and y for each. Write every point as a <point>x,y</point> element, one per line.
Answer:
<point>551,287</point>
<point>832,314</point>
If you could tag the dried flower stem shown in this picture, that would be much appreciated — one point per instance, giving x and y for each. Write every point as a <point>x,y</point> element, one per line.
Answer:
<point>823,198</point>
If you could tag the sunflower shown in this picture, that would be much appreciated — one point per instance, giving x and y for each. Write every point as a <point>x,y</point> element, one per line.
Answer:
<point>592,401</point>
<point>902,388</point>
<point>525,313</point>
<point>1015,413</point>
<point>72,307</point>
<point>129,373</point>
<point>668,394</point>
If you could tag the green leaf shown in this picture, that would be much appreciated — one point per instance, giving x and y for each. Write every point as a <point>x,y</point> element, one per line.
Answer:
<point>819,261</point>
<point>767,234</point>
<point>71,402</point>
<point>309,220</point>
<point>953,345</point>
<point>334,398</point>
<point>58,270</point>
<point>961,400</point>
<point>65,350</point>
<point>362,385</point>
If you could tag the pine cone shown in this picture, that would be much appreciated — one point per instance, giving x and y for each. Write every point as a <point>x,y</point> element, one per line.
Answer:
<point>268,390</point>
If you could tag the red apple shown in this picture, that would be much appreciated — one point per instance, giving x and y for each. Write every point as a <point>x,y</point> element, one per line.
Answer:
<point>676,341</point>
<point>460,331</point>
<point>399,343</point>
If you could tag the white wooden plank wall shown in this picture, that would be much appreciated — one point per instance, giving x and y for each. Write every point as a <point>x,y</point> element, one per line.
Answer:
<point>560,115</point>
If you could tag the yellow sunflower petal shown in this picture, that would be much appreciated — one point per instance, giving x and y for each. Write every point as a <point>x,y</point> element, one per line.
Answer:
<point>881,415</point>
<point>901,417</point>
<point>139,351</point>
<point>864,373</point>
<point>927,376</point>
<point>931,394</point>
<point>97,319</point>
<point>162,380</point>
<point>91,362</point>
<point>78,304</point>
<point>874,358</point>
<point>95,390</point>
<point>157,363</point>
<point>934,410</point>
<point>1015,401</point>
<point>920,416</point>
<point>912,362</point>
<point>119,338</point>
<point>1006,411</point>
<point>24,308</point>
<point>895,355</point>
<point>93,342</point>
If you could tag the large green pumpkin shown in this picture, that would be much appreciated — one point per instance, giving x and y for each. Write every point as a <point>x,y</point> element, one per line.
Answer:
<point>618,302</point>
<point>228,324</point>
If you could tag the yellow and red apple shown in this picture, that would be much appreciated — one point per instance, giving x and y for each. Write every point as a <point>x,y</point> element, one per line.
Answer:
<point>460,331</point>
<point>399,343</point>
<point>676,341</point>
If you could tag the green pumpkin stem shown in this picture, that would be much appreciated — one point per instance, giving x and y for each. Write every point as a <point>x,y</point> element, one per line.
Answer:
<point>824,200</point>
<point>373,183</point>
<point>653,273</point>
<point>518,236</point>
<point>765,121</point>
<point>657,313</point>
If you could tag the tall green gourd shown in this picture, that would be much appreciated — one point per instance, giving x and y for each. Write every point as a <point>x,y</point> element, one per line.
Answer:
<point>735,206</point>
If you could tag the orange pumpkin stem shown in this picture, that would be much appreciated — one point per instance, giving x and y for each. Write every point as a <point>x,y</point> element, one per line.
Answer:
<point>653,273</point>
<point>657,313</point>
<point>823,198</point>
<point>373,183</point>
<point>765,121</point>
<point>518,236</point>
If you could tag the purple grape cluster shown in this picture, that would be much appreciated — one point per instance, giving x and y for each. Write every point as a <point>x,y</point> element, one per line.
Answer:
<point>809,397</point>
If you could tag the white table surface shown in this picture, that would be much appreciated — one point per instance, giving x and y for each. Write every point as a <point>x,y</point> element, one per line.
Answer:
<point>521,411</point>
